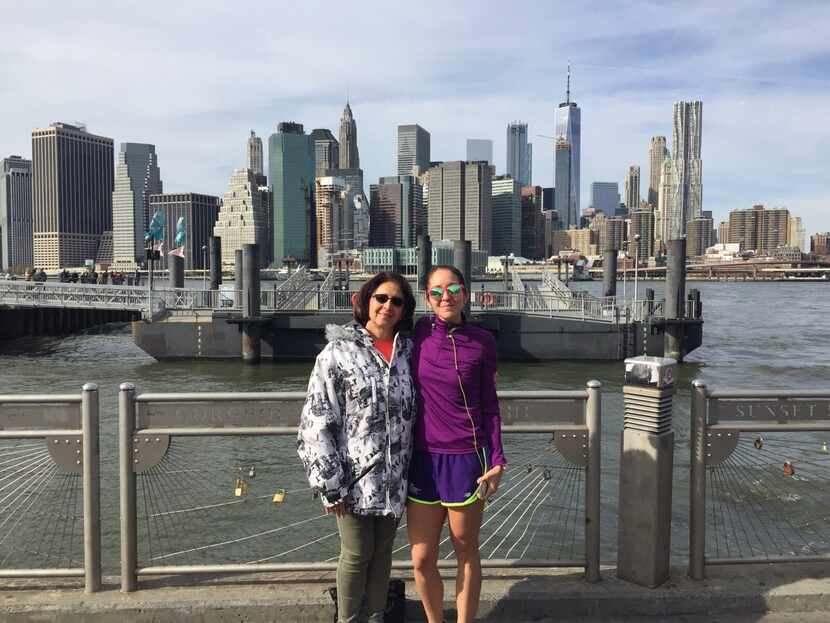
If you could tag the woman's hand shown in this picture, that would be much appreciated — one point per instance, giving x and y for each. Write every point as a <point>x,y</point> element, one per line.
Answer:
<point>338,510</point>
<point>493,478</point>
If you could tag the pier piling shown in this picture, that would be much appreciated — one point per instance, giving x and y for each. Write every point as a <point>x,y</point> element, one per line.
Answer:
<point>424,259</point>
<point>251,347</point>
<point>675,299</point>
<point>215,262</point>
<point>609,272</point>
<point>176,266</point>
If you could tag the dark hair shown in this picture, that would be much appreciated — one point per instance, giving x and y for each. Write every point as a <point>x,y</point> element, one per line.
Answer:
<point>360,306</point>
<point>458,274</point>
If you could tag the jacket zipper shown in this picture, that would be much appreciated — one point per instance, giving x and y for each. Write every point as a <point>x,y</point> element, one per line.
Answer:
<point>389,424</point>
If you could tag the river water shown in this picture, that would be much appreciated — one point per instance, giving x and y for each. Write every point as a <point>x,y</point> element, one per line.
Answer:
<point>756,335</point>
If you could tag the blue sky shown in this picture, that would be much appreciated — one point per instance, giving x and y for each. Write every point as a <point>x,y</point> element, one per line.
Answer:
<point>194,78</point>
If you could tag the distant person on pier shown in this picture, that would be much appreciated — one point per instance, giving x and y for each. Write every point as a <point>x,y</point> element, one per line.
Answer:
<point>355,438</point>
<point>458,457</point>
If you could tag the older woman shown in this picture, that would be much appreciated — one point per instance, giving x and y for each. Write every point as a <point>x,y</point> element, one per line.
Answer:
<point>355,438</point>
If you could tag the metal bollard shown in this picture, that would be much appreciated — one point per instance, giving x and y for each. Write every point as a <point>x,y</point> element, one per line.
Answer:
<point>126,426</point>
<point>92,488</point>
<point>646,467</point>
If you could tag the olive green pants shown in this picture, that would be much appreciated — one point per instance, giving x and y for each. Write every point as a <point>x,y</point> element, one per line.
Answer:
<point>364,566</point>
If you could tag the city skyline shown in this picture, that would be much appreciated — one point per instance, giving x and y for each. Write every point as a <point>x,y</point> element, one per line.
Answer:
<point>626,87</point>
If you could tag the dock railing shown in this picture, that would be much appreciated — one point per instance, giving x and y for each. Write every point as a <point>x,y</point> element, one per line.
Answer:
<point>48,442</point>
<point>760,466</point>
<point>175,505</point>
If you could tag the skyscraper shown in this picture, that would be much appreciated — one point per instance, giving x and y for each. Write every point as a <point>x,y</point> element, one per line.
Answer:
<point>395,209</point>
<point>255,162</point>
<point>16,250</point>
<point>567,148</point>
<point>506,229</point>
<point>331,214</point>
<point>243,217</point>
<point>533,223</point>
<point>326,151</point>
<point>632,188</point>
<point>137,177</point>
<point>72,183</point>
<point>291,171</point>
<point>200,213</point>
<point>479,149</point>
<point>413,149</point>
<point>349,157</point>
<point>657,153</point>
<point>605,197</point>
<point>460,203</point>
<point>519,153</point>
<point>685,199</point>
<point>642,223</point>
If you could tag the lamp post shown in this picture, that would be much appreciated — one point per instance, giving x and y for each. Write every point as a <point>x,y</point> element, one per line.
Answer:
<point>204,267</point>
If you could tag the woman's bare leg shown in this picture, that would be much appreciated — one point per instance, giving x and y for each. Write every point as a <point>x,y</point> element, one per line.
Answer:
<point>465,526</point>
<point>424,523</point>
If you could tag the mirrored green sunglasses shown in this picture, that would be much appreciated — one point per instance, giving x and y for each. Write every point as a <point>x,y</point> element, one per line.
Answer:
<point>453,289</point>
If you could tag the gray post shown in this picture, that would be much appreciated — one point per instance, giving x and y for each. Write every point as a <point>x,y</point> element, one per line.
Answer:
<point>593,421</point>
<point>215,250</point>
<point>237,275</point>
<point>176,272</point>
<point>424,259</point>
<point>697,488</point>
<point>644,537</point>
<point>92,488</point>
<point>251,345</point>
<point>126,477</point>
<point>609,273</point>
<point>650,302</point>
<point>462,259</point>
<point>675,298</point>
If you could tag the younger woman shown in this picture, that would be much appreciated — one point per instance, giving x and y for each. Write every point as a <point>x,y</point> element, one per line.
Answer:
<point>458,457</point>
<point>355,438</point>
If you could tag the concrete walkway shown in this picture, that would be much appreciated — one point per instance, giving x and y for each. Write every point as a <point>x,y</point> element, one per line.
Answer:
<point>741,594</point>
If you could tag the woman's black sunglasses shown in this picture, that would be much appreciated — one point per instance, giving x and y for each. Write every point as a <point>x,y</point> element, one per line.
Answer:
<point>382,298</point>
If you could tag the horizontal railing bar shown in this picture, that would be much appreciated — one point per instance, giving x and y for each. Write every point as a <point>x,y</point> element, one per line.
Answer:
<point>42,573</point>
<point>264,431</point>
<point>541,428</point>
<point>761,560</point>
<point>332,566</point>
<point>544,395</point>
<point>36,434</point>
<point>241,431</point>
<point>767,393</point>
<point>271,396</point>
<point>222,397</point>
<point>771,426</point>
<point>39,398</point>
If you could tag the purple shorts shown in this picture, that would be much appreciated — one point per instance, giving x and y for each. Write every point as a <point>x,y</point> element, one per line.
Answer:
<point>446,479</point>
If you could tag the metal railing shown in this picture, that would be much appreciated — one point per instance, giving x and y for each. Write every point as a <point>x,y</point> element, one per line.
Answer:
<point>66,428</point>
<point>41,294</point>
<point>175,480</point>
<point>760,497</point>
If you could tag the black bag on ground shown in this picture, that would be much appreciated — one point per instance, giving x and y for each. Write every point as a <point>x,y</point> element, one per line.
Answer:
<point>395,602</point>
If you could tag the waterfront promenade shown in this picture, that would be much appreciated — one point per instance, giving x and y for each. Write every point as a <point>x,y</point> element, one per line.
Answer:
<point>750,594</point>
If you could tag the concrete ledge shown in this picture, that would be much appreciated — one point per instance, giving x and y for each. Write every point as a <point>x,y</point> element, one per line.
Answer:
<point>534,595</point>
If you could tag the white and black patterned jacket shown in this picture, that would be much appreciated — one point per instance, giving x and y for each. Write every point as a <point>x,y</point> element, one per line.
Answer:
<point>355,438</point>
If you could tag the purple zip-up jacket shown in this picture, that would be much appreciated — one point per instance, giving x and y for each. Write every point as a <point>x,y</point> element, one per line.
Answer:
<point>442,424</point>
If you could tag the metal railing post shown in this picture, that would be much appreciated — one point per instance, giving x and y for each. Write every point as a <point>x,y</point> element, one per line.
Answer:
<point>697,488</point>
<point>91,488</point>
<point>593,421</point>
<point>126,426</point>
